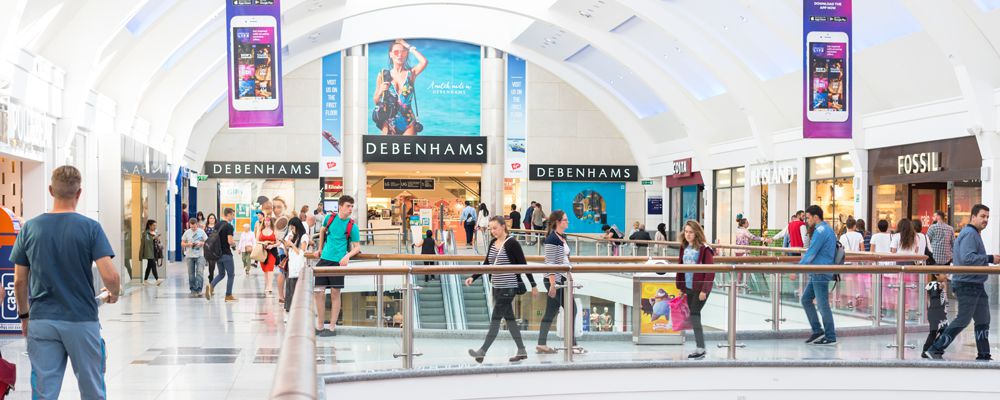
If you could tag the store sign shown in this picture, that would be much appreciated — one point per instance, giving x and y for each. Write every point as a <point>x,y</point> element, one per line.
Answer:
<point>424,149</point>
<point>261,170</point>
<point>772,175</point>
<point>333,186</point>
<point>586,173</point>
<point>918,163</point>
<point>408,184</point>
<point>646,182</point>
<point>654,205</point>
<point>682,168</point>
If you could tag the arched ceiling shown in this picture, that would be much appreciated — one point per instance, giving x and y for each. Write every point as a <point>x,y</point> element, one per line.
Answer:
<point>672,75</point>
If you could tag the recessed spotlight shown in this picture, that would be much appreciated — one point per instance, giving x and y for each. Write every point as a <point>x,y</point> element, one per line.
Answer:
<point>725,27</point>
<point>586,13</point>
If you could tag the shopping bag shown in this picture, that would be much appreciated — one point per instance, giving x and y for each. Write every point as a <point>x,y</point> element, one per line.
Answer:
<point>258,253</point>
<point>577,324</point>
<point>8,376</point>
<point>680,313</point>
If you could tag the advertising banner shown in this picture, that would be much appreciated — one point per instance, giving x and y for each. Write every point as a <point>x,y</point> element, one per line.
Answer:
<point>590,205</point>
<point>424,87</point>
<point>253,34</point>
<point>827,72</point>
<point>331,157</point>
<point>655,297</point>
<point>515,149</point>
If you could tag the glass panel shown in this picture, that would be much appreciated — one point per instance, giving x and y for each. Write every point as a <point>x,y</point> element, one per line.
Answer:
<point>821,167</point>
<point>740,176</point>
<point>723,216</point>
<point>675,213</point>
<point>887,204</point>
<point>723,178</point>
<point>965,198</point>
<point>823,196</point>
<point>690,203</point>
<point>845,165</point>
<point>843,203</point>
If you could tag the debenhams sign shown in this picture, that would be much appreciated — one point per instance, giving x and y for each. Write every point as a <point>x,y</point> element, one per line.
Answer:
<point>595,173</point>
<point>424,149</point>
<point>261,170</point>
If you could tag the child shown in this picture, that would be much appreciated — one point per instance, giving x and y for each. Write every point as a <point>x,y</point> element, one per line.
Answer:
<point>937,303</point>
<point>428,246</point>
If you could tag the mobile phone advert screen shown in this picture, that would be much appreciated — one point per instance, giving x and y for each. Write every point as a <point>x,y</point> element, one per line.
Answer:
<point>253,55</point>
<point>828,76</point>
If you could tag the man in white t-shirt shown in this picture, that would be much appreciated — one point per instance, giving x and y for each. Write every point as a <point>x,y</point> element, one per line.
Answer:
<point>852,240</point>
<point>882,241</point>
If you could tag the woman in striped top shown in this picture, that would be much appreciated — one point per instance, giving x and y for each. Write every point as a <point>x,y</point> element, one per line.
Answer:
<point>556,253</point>
<point>503,250</point>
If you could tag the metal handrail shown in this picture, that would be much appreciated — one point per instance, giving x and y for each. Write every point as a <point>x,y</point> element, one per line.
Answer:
<point>851,257</point>
<point>295,375</point>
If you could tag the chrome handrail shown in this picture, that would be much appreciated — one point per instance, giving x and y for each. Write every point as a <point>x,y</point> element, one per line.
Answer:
<point>295,376</point>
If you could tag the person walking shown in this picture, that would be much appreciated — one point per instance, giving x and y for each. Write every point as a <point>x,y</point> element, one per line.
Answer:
<point>881,241</point>
<point>538,218</point>
<point>660,236</point>
<point>428,246</point>
<point>866,235</point>
<point>339,240</point>
<point>245,247</point>
<point>148,251</point>
<point>744,236</point>
<point>556,253</point>
<point>527,215</point>
<point>296,243</point>
<point>852,240</point>
<point>937,310</point>
<point>193,243</point>
<point>209,226</point>
<point>515,217</point>
<point>185,217</point>
<point>822,249</point>
<point>269,239</point>
<point>469,222</point>
<point>53,257</point>
<point>482,222</point>
<point>973,302</point>
<point>225,232</point>
<point>696,286</point>
<point>942,238</point>
<point>503,250</point>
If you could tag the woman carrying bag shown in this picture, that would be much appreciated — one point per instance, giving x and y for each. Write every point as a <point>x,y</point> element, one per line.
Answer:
<point>296,244</point>
<point>556,253</point>
<point>696,286</point>
<point>503,250</point>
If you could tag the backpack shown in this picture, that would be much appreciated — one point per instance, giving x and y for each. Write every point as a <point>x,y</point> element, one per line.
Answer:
<point>213,246</point>
<point>350,227</point>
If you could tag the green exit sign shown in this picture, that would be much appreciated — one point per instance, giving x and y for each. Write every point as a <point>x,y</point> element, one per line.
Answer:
<point>647,182</point>
<point>202,178</point>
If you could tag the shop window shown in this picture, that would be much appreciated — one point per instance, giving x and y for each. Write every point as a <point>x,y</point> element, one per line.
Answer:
<point>831,187</point>
<point>729,200</point>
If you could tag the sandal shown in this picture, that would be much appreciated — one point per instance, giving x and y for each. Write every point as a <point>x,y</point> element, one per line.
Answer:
<point>545,350</point>
<point>579,350</point>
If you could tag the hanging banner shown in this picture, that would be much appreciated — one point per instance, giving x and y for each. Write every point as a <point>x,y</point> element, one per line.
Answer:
<point>827,72</point>
<point>515,149</point>
<point>331,157</point>
<point>253,34</point>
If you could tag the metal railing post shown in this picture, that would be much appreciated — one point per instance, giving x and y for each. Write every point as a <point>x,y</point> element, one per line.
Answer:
<point>379,301</point>
<point>576,245</point>
<point>877,299</point>
<point>399,242</point>
<point>731,317</point>
<point>408,322</point>
<point>776,319</point>
<point>901,318</point>
<point>569,331</point>
<point>539,244</point>
<point>634,249</point>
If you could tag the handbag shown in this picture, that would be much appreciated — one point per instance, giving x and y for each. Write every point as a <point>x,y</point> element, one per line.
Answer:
<point>258,253</point>
<point>296,261</point>
<point>680,313</point>
<point>521,287</point>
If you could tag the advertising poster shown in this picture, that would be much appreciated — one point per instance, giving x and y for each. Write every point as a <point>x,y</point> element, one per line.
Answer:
<point>655,302</point>
<point>590,205</point>
<point>424,87</point>
<point>253,35</point>
<point>331,157</point>
<point>827,71</point>
<point>515,149</point>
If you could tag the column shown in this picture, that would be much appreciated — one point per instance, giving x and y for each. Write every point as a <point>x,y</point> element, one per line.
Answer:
<point>861,168</point>
<point>355,109</point>
<point>493,66</point>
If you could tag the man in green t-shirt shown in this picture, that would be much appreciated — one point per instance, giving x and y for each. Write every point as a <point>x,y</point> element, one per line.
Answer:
<point>334,245</point>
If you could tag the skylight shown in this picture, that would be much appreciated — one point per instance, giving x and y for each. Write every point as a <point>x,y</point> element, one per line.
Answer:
<point>147,15</point>
<point>618,79</point>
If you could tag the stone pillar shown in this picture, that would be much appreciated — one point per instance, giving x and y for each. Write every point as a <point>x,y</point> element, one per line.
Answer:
<point>493,67</point>
<point>355,113</point>
<point>989,146</point>
<point>861,200</point>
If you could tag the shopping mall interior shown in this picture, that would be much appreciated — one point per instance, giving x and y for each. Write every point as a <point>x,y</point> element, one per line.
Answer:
<point>614,139</point>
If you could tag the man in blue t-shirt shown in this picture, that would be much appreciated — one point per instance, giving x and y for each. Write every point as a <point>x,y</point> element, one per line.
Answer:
<point>335,249</point>
<point>53,280</point>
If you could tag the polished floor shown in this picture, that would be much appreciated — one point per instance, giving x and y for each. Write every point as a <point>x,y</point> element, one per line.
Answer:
<point>164,344</point>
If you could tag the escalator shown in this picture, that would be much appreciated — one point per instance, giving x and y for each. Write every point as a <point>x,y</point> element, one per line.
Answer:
<point>430,304</point>
<point>476,309</point>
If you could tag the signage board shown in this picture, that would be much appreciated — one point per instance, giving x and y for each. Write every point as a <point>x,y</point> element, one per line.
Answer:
<point>261,170</point>
<point>408,184</point>
<point>584,173</point>
<point>424,149</point>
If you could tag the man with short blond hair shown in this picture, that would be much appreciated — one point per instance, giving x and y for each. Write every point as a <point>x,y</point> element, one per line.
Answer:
<point>53,280</point>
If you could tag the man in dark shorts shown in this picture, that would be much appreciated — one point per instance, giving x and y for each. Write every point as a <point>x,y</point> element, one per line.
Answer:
<point>333,251</point>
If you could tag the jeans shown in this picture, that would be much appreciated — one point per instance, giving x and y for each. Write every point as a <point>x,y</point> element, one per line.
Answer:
<point>503,308</point>
<point>470,228</point>
<point>695,305</point>
<point>150,267</point>
<point>195,280</point>
<point>50,342</point>
<point>225,269</point>
<point>818,288</point>
<point>552,306</point>
<point>973,304</point>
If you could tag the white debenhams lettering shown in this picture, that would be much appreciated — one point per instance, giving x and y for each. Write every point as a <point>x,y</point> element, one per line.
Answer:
<point>296,169</point>
<point>281,170</point>
<point>229,169</point>
<point>370,148</point>
<point>216,169</point>
<point>309,169</point>
<point>628,173</point>
<point>448,149</point>
<point>465,149</point>
<point>481,149</point>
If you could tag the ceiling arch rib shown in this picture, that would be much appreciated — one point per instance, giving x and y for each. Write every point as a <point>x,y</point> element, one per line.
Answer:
<point>356,29</point>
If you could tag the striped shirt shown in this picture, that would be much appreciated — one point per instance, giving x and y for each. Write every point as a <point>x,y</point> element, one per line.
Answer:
<point>501,281</point>
<point>556,253</point>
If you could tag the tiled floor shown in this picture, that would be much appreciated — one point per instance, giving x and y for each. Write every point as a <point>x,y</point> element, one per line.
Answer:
<point>164,344</point>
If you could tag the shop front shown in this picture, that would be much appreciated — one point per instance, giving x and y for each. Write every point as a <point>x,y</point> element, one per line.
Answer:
<point>591,195</point>
<point>685,187</point>
<point>730,192</point>
<point>914,181</point>
<point>144,193</point>
<point>831,187</point>
<point>773,194</point>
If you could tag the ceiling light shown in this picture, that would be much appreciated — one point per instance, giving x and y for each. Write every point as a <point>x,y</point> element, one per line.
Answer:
<point>586,13</point>
<point>743,18</point>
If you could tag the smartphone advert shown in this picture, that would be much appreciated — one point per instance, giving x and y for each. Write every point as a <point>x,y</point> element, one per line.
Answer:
<point>254,51</point>
<point>827,69</point>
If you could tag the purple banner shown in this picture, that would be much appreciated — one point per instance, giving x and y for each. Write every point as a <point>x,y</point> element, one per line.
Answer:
<point>827,71</point>
<point>253,34</point>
